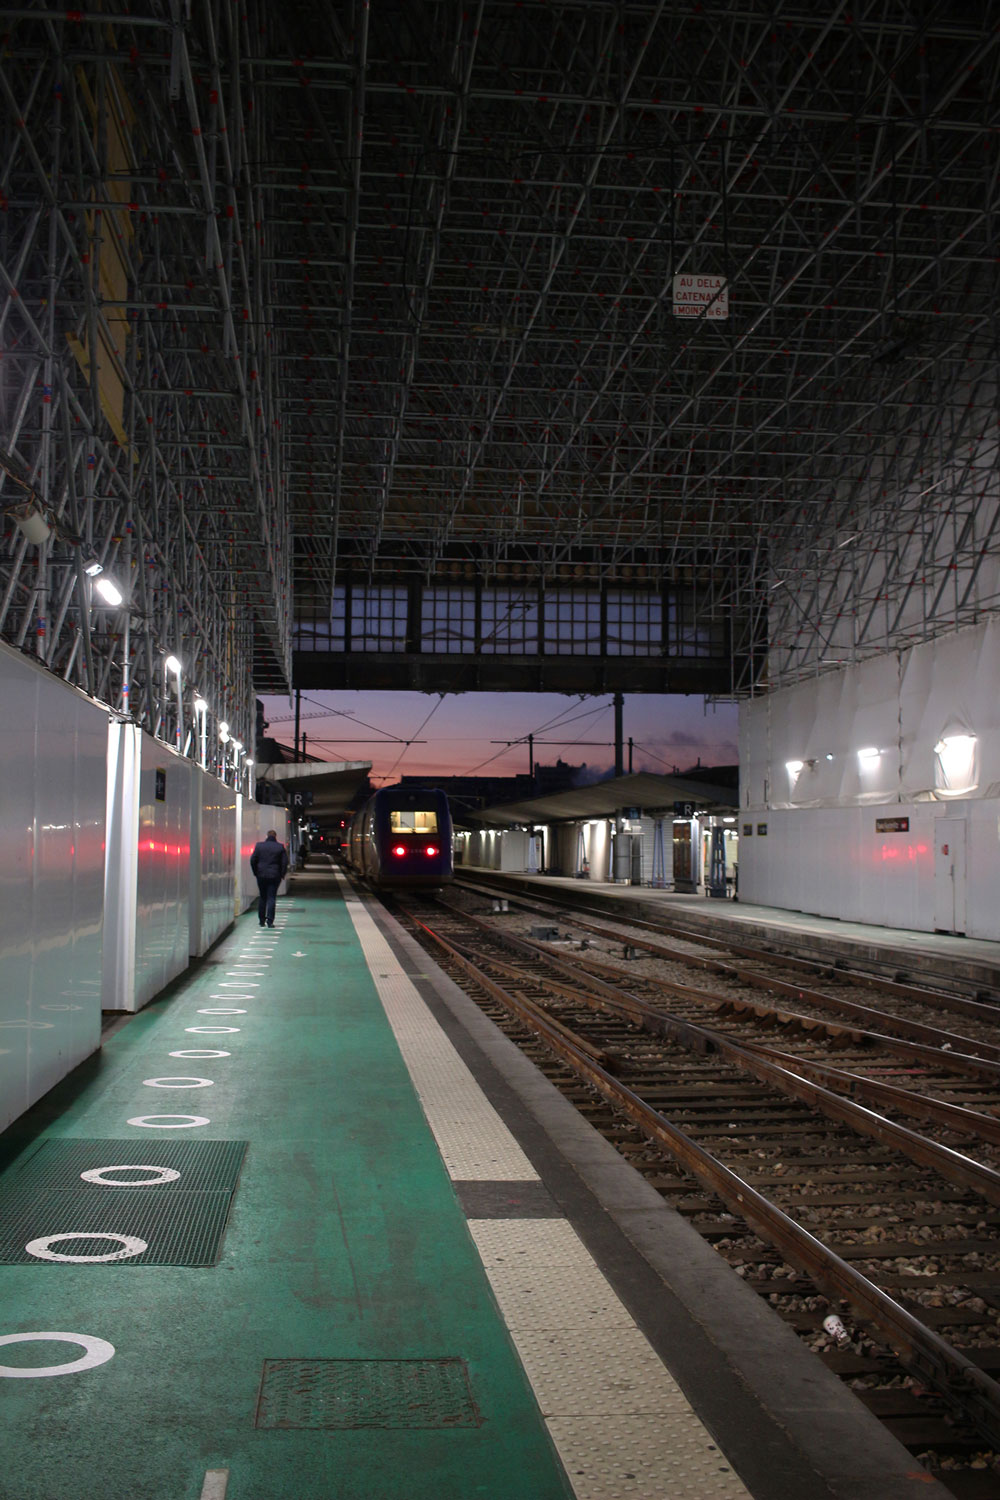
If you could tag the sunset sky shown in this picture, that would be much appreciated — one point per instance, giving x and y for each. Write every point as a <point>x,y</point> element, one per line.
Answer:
<point>454,735</point>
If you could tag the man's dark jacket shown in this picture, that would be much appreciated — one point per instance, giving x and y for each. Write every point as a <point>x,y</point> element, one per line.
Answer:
<point>269,860</point>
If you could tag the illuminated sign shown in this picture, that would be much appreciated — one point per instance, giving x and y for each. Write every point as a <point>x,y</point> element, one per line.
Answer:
<point>892,825</point>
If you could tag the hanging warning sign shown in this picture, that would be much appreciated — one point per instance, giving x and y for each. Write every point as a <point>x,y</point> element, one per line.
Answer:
<point>700,296</point>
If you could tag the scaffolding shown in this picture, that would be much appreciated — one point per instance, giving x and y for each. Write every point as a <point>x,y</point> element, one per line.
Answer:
<point>307,304</point>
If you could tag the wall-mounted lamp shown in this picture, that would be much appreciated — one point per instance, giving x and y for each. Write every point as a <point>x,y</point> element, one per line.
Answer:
<point>828,756</point>
<point>869,755</point>
<point>793,767</point>
<point>31,523</point>
<point>956,743</point>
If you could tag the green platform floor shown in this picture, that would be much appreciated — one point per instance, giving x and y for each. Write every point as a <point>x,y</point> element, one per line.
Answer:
<point>345,1242</point>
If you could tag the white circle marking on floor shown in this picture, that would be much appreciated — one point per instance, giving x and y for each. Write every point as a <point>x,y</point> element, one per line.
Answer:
<point>130,1245</point>
<point>179,1082</point>
<point>96,1174</point>
<point>97,1352</point>
<point>181,1122</point>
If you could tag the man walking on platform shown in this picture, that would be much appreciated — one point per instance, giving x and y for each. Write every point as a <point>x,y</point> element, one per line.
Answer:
<point>269,861</point>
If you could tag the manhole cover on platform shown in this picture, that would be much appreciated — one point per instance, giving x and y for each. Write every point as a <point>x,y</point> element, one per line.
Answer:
<point>366,1393</point>
<point>172,1196</point>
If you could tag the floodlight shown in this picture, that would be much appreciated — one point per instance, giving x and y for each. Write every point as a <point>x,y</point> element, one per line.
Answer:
<point>171,664</point>
<point>868,755</point>
<point>108,592</point>
<point>200,704</point>
<point>92,567</point>
<point>793,767</point>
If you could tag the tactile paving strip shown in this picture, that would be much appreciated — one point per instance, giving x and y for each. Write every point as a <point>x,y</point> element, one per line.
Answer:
<point>621,1424</point>
<point>643,1458</point>
<point>181,1221</point>
<point>473,1140</point>
<point>348,1393</point>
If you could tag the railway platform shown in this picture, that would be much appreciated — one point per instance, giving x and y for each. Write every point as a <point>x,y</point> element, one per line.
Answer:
<point>309,1228</point>
<point>908,954</point>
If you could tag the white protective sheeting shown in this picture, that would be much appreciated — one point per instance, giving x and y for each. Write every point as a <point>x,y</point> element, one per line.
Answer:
<point>933,715</point>
<point>799,746</point>
<point>163,879</point>
<point>51,880</point>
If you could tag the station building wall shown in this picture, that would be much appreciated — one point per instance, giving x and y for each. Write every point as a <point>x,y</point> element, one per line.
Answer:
<point>872,794</point>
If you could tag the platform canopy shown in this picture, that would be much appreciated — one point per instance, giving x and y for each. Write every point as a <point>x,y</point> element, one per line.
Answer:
<point>333,785</point>
<point>643,792</point>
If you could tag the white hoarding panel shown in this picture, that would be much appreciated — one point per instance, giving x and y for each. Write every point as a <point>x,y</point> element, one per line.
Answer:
<point>51,881</point>
<point>258,818</point>
<point>121,865</point>
<point>163,875</point>
<point>218,857</point>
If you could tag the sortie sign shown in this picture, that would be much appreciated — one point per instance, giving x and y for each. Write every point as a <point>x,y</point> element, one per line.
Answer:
<point>700,296</point>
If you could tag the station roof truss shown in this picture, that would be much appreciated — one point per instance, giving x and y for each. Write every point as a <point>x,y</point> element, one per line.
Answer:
<point>313,315</point>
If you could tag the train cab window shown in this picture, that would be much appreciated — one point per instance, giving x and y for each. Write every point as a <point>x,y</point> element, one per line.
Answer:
<point>409,820</point>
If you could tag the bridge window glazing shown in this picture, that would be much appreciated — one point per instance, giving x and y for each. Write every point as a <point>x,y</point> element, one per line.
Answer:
<point>448,620</point>
<point>634,624</point>
<point>573,623</point>
<point>690,633</point>
<point>378,618</point>
<point>509,622</point>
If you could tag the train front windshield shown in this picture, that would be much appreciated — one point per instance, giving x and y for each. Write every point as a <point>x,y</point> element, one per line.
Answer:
<point>409,820</point>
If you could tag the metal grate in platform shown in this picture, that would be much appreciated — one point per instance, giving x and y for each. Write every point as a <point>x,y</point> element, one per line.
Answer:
<point>347,1393</point>
<point>157,1203</point>
<point>56,1165</point>
<point>179,1229</point>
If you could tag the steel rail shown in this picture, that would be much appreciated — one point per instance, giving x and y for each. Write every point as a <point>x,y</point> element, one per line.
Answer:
<point>956,1378</point>
<point>956,1167</point>
<point>712,940</point>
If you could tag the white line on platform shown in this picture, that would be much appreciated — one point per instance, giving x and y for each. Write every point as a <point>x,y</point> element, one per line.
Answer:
<point>216,1484</point>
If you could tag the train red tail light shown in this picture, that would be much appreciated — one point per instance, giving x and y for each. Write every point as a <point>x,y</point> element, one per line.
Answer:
<point>399,850</point>
<point>430,849</point>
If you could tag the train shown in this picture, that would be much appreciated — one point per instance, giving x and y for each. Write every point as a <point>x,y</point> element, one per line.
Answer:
<point>402,837</point>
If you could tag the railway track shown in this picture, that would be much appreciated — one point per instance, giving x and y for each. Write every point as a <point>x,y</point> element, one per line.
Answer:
<point>792,953</point>
<point>896,1044</point>
<point>831,1190</point>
